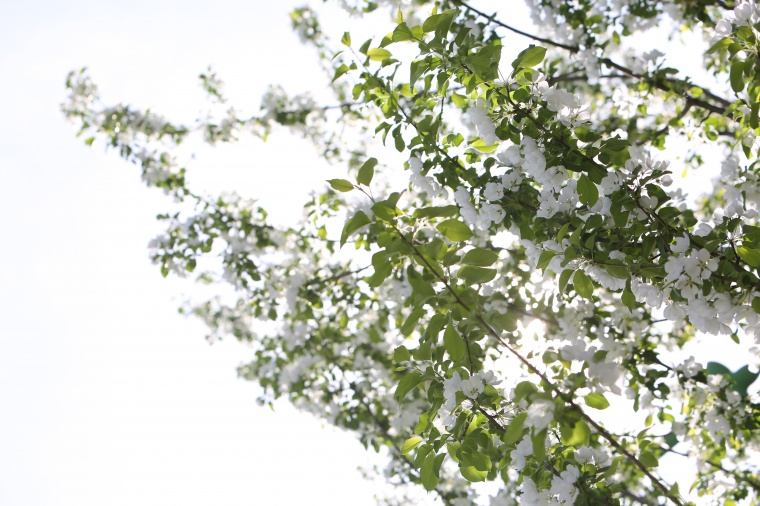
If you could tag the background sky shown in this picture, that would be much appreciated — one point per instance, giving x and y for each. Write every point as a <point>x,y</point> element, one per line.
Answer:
<point>107,395</point>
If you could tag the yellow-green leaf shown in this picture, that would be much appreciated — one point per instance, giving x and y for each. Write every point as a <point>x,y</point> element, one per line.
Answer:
<point>480,257</point>
<point>454,230</point>
<point>341,185</point>
<point>471,474</point>
<point>472,275</point>
<point>597,401</point>
<point>353,224</point>
<point>454,343</point>
<point>410,444</point>
<point>587,191</point>
<point>378,54</point>
<point>749,255</point>
<point>583,284</point>
<point>366,172</point>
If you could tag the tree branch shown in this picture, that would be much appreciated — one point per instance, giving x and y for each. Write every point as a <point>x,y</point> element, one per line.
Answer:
<point>717,109</point>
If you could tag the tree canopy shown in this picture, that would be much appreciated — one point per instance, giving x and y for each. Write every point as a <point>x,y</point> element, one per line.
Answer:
<point>505,255</point>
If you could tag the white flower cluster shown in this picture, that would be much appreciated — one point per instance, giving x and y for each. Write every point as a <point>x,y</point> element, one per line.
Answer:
<point>482,219</point>
<point>745,13</point>
<point>225,131</point>
<point>558,194</point>
<point>562,491</point>
<point>157,167</point>
<point>588,455</point>
<point>522,451</point>
<point>82,93</point>
<point>601,276</point>
<point>603,375</point>
<point>470,387</point>
<point>421,182</point>
<point>477,114</point>
<point>689,265</point>
<point>298,112</point>
<point>567,105</point>
<point>540,414</point>
<point>687,268</point>
<point>741,192</point>
<point>547,16</point>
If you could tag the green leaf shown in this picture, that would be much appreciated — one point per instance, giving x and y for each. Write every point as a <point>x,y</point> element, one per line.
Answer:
<point>407,383</point>
<point>515,429</point>
<point>485,63</point>
<point>401,354</point>
<point>436,212</point>
<point>587,191</point>
<point>454,344</point>
<point>354,223</point>
<point>480,257</point>
<point>502,321</point>
<point>378,54</point>
<point>721,44</point>
<point>523,390</point>
<point>756,304</point>
<point>411,321</point>
<point>428,474</point>
<point>749,255</point>
<point>649,459</point>
<point>563,232</point>
<point>472,275</point>
<point>346,39</point>
<point>545,258</point>
<point>402,33</point>
<point>366,172</point>
<point>416,69</point>
<point>576,435</point>
<point>481,146</point>
<point>410,444</point>
<point>597,401</point>
<point>454,230</point>
<point>452,449</point>
<point>539,445</point>
<point>615,145</point>
<point>342,185</point>
<point>479,460</point>
<point>717,368</point>
<point>470,473</point>
<point>583,284</point>
<point>340,71</point>
<point>743,378</point>
<point>385,211</point>
<point>585,135</point>
<point>529,57</point>
<point>439,23</point>
<point>617,271</point>
<point>383,268</point>
<point>629,300</point>
<point>737,75</point>
<point>564,278</point>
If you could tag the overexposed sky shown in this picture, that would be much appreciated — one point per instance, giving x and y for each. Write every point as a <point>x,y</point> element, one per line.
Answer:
<point>107,395</point>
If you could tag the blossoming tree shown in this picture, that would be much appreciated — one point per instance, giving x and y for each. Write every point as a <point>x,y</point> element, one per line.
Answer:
<point>528,262</point>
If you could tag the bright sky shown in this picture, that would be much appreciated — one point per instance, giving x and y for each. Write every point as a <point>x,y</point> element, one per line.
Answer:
<point>107,396</point>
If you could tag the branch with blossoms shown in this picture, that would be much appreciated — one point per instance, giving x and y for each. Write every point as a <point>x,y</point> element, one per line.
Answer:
<point>536,268</point>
